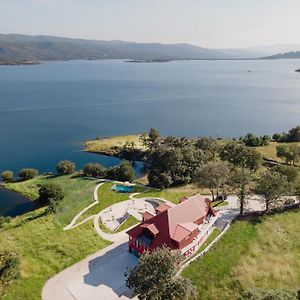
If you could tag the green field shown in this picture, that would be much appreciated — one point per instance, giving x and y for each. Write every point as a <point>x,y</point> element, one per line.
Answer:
<point>269,152</point>
<point>174,194</point>
<point>262,253</point>
<point>44,248</point>
<point>111,144</point>
<point>108,197</point>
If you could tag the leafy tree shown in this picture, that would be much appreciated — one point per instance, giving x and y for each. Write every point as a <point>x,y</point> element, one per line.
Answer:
<point>241,156</point>
<point>155,277</point>
<point>94,170</point>
<point>152,140</point>
<point>290,172</point>
<point>50,192</point>
<point>277,137</point>
<point>9,270</point>
<point>159,180</point>
<point>290,154</point>
<point>125,171</point>
<point>27,174</point>
<point>272,186</point>
<point>65,167</point>
<point>7,176</point>
<point>240,180</point>
<point>210,146</point>
<point>177,164</point>
<point>212,175</point>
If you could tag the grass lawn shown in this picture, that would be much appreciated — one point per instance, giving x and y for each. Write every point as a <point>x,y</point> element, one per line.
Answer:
<point>108,197</point>
<point>128,223</point>
<point>269,152</point>
<point>174,194</point>
<point>44,248</point>
<point>262,253</point>
<point>211,237</point>
<point>115,142</point>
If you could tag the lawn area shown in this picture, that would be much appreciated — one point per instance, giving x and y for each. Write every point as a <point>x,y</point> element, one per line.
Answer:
<point>128,223</point>
<point>174,194</point>
<point>262,253</point>
<point>269,152</point>
<point>108,197</point>
<point>44,248</point>
<point>109,144</point>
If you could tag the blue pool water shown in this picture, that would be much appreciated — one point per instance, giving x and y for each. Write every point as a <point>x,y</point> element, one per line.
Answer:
<point>123,188</point>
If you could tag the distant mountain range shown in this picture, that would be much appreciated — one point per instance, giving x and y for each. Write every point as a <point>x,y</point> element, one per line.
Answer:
<point>25,48</point>
<point>293,54</point>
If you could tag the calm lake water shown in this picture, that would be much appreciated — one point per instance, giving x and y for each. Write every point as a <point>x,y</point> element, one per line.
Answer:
<point>13,204</point>
<point>48,110</point>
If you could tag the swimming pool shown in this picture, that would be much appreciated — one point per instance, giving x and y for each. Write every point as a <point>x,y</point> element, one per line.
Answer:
<point>123,188</point>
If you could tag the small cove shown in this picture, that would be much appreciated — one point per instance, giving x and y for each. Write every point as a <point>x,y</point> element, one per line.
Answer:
<point>13,204</point>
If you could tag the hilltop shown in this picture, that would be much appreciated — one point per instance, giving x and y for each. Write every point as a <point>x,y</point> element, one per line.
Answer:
<point>16,47</point>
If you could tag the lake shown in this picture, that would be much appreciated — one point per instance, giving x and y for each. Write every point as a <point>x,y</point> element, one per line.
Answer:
<point>48,110</point>
<point>13,204</point>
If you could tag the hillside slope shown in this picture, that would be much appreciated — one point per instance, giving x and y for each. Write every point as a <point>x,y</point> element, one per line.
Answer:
<point>14,47</point>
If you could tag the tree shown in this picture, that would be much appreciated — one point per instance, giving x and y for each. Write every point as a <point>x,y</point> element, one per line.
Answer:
<point>240,180</point>
<point>155,277</point>
<point>290,172</point>
<point>272,186</point>
<point>7,176</point>
<point>277,137</point>
<point>212,175</point>
<point>151,141</point>
<point>289,153</point>
<point>50,192</point>
<point>125,171</point>
<point>210,146</point>
<point>65,167</point>
<point>94,170</point>
<point>27,174</point>
<point>241,156</point>
<point>293,135</point>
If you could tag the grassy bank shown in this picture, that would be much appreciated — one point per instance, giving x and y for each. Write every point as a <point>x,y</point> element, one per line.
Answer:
<point>44,248</point>
<point>269,152</point>
<point>262,253</point>
<point>113,145</point>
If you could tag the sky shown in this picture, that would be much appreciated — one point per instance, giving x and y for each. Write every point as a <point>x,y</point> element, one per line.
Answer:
<point>206,23</point>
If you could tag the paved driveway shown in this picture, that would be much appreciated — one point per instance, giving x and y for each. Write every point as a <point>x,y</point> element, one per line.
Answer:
<point>98,277</point>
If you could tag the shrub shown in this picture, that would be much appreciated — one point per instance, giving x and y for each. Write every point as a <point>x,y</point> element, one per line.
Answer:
<point>50,192</point>
<point>27,174</point>
<point>65,167</point>
<point>9,269</point>
<point>7,176</point>
<point>252,140</point>
<point>125,171</point>
<point>4,220</point>
<point>94,170</point>
<point>277,137</point>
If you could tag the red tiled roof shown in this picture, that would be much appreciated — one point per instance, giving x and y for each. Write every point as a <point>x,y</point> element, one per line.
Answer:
<point>175,223</point>
<point>147,215</point>
<point>163,207</point>
<point>151,227</point>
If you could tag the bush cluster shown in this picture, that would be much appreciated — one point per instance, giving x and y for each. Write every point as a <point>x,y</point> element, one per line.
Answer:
<point>9,269</point>
<point>123,172</point>
<point>251,140</point>
<point>28,173</point>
